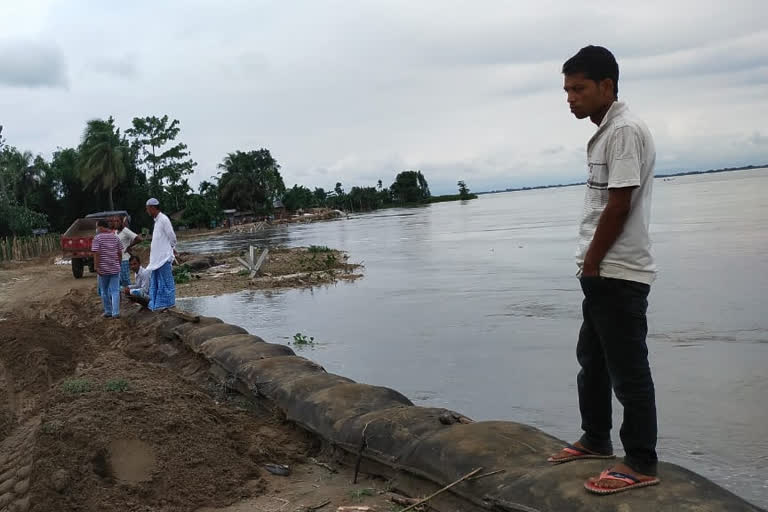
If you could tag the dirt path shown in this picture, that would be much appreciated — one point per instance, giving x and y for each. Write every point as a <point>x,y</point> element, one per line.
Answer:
<point>99,415</point>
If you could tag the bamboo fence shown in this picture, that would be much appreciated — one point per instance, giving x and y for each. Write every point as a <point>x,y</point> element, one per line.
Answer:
<point>28,247</point>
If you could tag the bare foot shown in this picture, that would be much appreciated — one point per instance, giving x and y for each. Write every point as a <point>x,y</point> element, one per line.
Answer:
<point>615,484</point>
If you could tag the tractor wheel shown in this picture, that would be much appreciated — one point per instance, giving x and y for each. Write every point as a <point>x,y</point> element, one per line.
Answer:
<point>77,268</point>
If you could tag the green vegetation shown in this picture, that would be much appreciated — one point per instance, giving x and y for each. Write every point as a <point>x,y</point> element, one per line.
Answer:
<point>50,428</point>
<point>359,494</point>
<point>316,261</point>
<point>112,169</point>
<point>181,274</point>
<point>76,386</point>
<point>117,386</point>
<point>300,339</point>
<point>250,181</point>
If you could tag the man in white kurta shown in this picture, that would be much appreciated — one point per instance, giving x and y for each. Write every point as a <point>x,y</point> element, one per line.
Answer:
<point>162,289</point>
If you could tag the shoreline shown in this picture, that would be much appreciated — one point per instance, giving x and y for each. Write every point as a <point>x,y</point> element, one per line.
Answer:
<point>161,361</point>
<point>103,415</point>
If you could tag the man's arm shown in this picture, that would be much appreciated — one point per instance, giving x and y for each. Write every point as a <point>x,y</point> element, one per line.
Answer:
<point>136,239</point>
<point>609,227</point>
<point>95,250</point>
<point>170,233</point>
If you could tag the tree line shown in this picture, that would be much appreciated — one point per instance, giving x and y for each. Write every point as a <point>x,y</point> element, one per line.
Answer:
<point>119,169</point>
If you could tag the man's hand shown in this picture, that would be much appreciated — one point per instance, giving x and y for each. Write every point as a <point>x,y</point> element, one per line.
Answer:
<point>590,269</point>
<point>609,227</point>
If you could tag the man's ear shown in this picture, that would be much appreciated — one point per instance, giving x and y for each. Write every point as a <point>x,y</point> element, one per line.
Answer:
<point>606,87</point>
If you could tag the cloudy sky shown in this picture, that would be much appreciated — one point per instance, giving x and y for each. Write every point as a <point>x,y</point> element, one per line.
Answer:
<point>356,91</point>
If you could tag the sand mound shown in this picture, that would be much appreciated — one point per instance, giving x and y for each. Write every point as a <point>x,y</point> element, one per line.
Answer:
<point>97,416</point>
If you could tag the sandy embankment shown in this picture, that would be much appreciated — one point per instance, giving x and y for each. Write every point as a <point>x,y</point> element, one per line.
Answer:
<point>98,415</point>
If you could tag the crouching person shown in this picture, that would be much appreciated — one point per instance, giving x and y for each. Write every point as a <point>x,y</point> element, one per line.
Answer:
<point>138,292</point>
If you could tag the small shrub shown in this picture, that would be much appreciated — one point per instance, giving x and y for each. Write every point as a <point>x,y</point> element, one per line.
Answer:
<point>359,494</point>
<point>76,386</point>
<point>50,428</point>
<point>315,249</point>
<point>117,386</point>
<point>300,339</point>
<point>181,274</point>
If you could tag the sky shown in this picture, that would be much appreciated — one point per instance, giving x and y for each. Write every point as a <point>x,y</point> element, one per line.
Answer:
<point>359,91</point>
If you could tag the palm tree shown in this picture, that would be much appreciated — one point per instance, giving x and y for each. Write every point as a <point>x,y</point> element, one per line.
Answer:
<point>250,180</point>
<point>101,157</point>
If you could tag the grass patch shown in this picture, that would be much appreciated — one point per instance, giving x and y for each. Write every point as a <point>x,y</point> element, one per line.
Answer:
<point>117,386</point>
<point>316,249</point>
<point>51,428</point>
<point>244,272</point>
<point>359,494</point>
<point>76,386</point>
<point>181,274</point>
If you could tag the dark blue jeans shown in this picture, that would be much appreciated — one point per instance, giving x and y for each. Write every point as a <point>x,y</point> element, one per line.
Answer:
<point>614,356</point>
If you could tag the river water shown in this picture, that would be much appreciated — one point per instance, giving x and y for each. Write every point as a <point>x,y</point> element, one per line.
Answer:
<point>475,307</point>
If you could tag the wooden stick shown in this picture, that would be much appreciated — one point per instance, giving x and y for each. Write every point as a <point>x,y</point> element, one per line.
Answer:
<point>322,465</point>
<point>478,477</point>
<point>363,444</point>
<point>318,507</point>
<point>468,475</point>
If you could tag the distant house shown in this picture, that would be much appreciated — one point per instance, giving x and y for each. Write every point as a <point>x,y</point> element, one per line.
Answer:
<point>278,209</point>
<point>230,217</point>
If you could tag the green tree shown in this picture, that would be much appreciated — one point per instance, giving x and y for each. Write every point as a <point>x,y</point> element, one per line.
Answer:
<point>2,169</point>
<point>298,198</point>
<point>203,208</point>
<point>21,174</point>
<point>15,219</point>
<point>463,190</point>
<point>102,153</point>
<point>166,165</point>
<point>363,199</point>
<point>250,180</point>
<point>410,187</point>
<point>320,196</point>
<point>25,176</point>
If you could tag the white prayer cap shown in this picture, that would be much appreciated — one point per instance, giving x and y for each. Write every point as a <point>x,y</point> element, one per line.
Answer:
<point>153,202</point>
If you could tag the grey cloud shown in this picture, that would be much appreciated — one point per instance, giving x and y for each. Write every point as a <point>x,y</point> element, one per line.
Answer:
<point>758,139</point>
<point>734,55</point>
<point>121,67</point>
<point>553,150</point>
<point>32,64</point>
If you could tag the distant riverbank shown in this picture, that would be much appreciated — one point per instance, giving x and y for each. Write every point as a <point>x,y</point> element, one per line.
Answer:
<point>662,175</point>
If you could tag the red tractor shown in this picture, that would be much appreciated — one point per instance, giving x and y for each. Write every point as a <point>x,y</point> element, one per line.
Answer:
<point>76,242</point>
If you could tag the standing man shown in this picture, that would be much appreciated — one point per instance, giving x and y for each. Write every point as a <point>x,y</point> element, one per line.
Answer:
<point>162,290</point>
<point>128,239</point>
<point>107,253</point>
<point>616,271</point>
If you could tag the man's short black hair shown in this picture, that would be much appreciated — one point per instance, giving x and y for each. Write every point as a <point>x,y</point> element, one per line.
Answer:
<point>136,258</point>
<point>597,64</point>
<point>102,223</point>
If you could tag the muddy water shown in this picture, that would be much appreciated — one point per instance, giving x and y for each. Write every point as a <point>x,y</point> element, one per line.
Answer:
<point>475,307</point>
